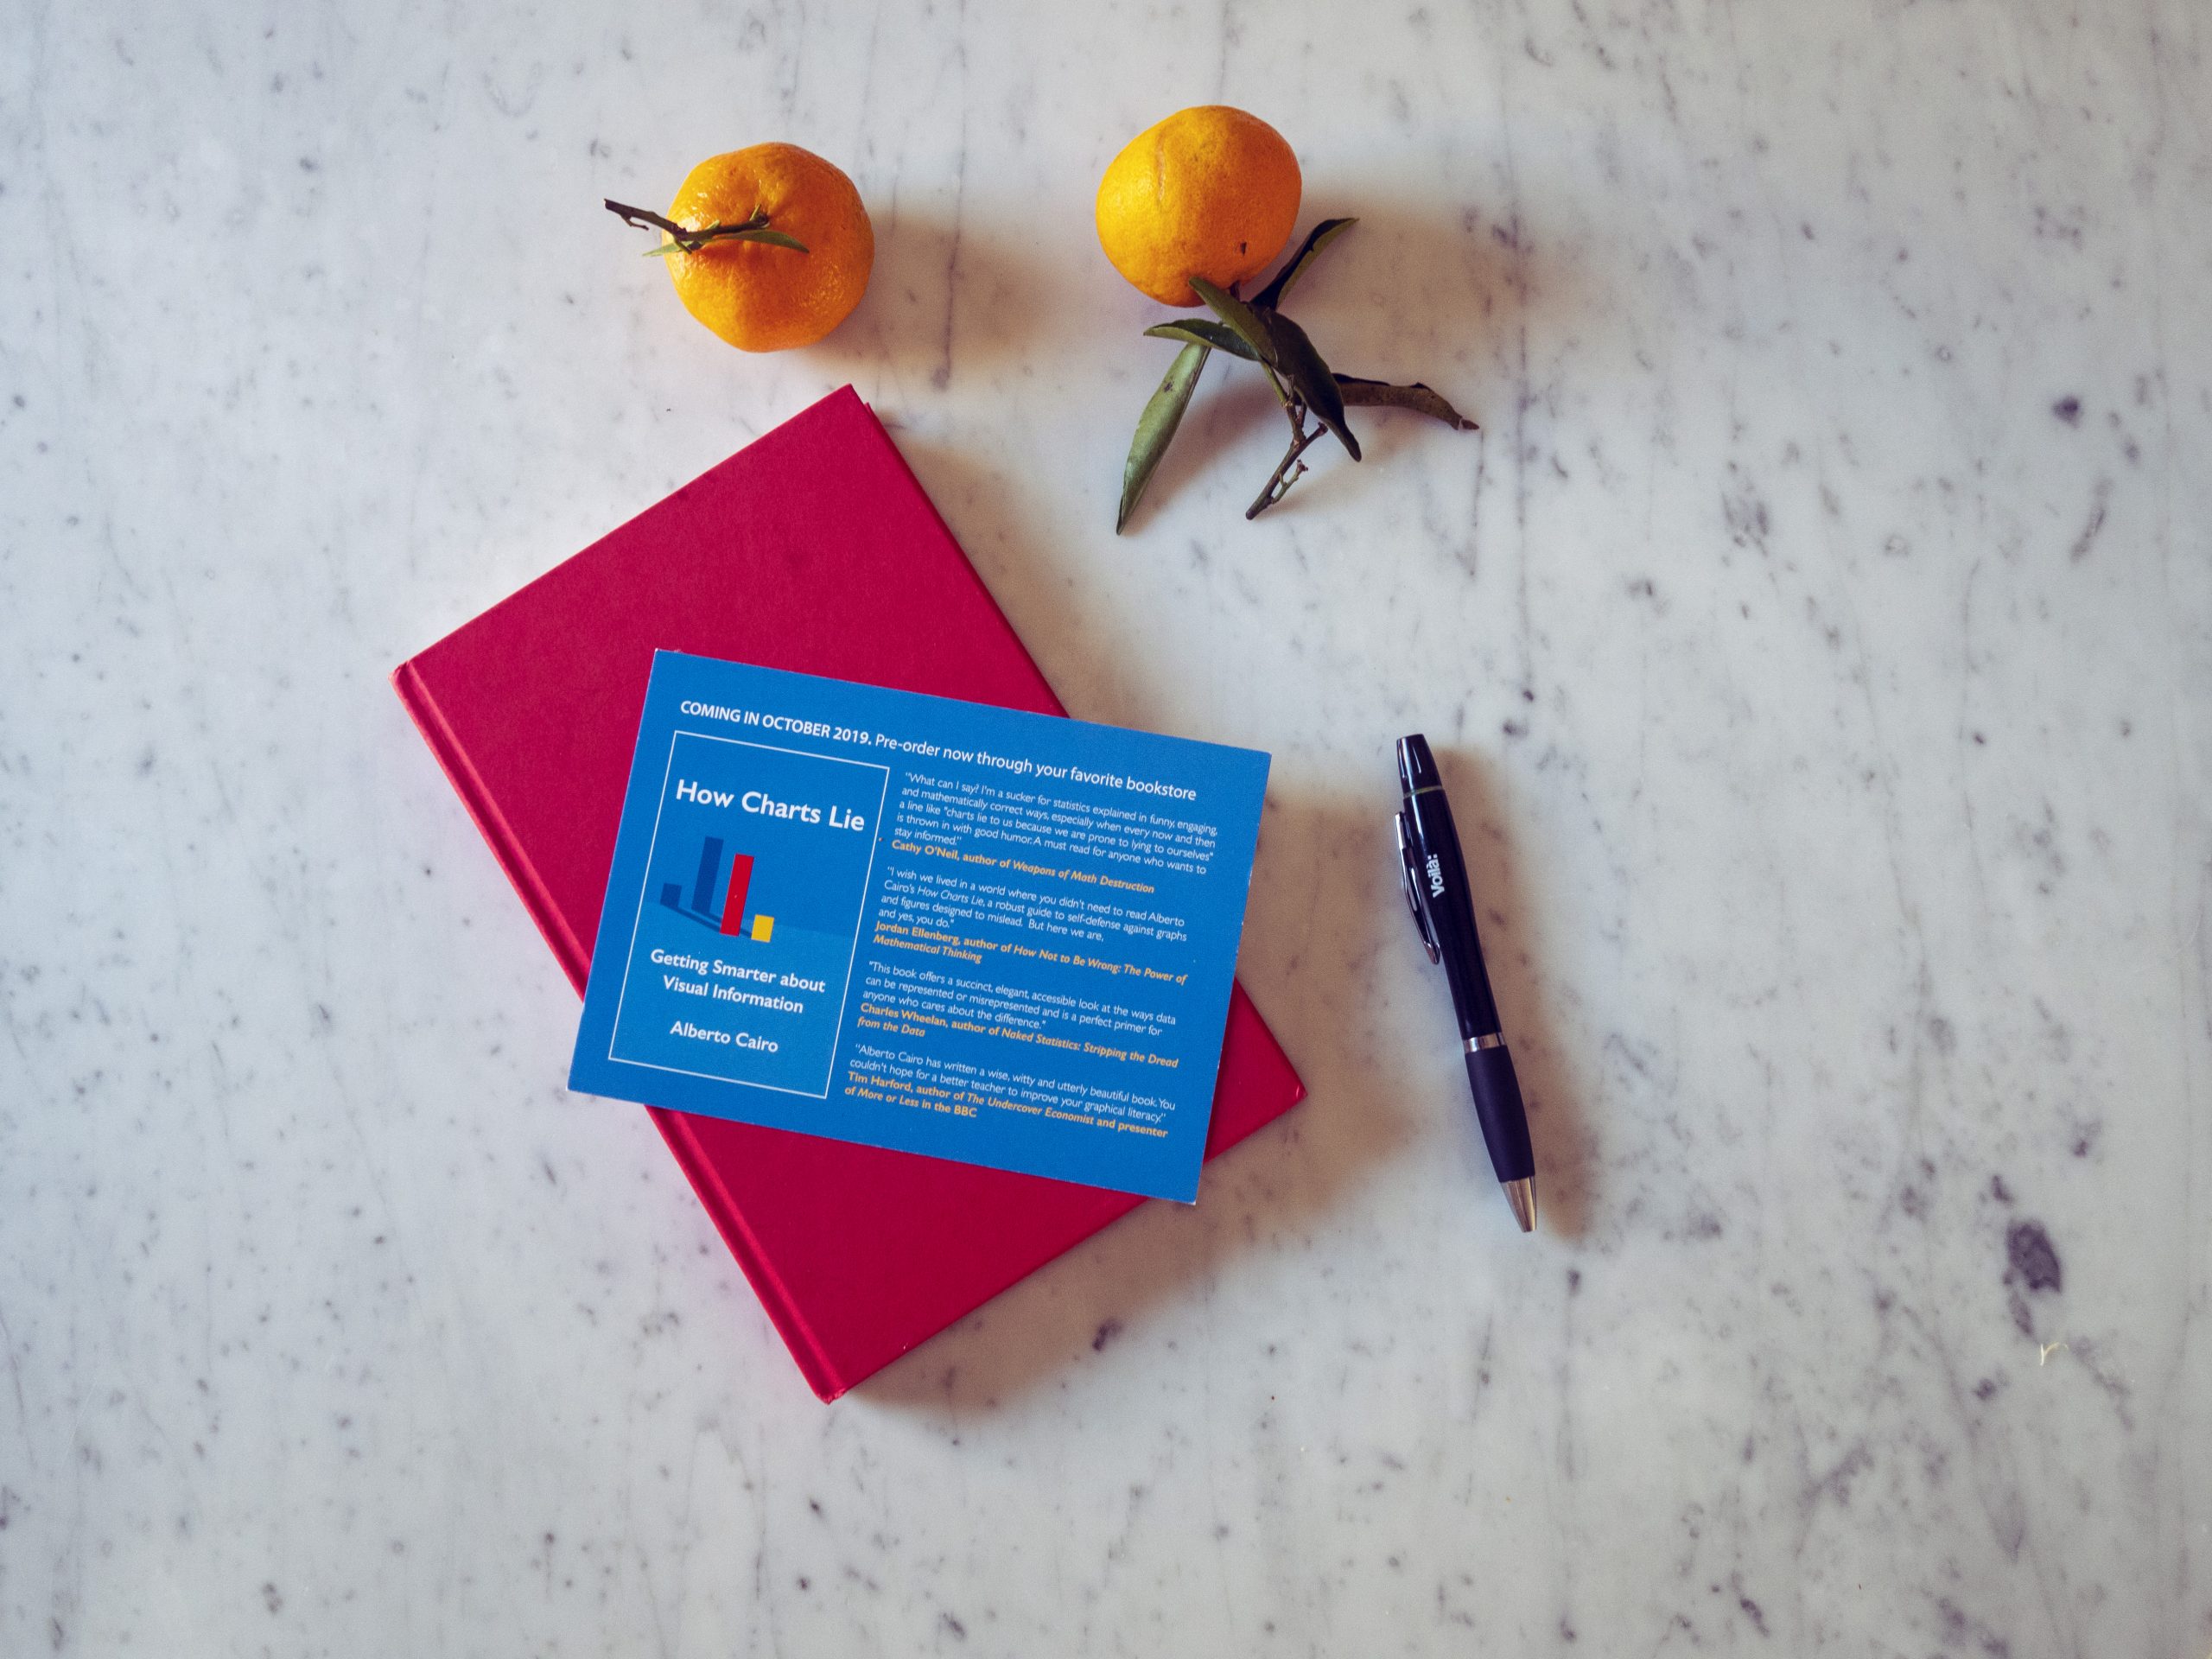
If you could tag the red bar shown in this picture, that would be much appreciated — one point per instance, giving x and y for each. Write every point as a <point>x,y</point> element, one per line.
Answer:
<point>740,878</point>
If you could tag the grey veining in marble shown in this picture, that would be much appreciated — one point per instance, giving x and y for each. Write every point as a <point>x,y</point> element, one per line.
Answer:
<point>1819,636</point>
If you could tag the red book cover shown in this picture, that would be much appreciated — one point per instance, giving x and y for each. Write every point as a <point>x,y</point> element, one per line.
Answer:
<point>813,549</point>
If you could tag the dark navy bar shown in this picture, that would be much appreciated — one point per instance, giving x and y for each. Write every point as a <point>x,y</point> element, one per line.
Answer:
<point>710,866</point>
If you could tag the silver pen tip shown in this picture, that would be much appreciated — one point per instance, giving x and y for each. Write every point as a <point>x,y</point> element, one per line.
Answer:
<point>1522,1195</point>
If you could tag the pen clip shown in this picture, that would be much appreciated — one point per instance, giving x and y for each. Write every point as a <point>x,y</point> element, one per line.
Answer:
<point>1409,881</point>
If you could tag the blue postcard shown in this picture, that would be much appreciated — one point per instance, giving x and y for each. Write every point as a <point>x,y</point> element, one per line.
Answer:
<point>945,928</point>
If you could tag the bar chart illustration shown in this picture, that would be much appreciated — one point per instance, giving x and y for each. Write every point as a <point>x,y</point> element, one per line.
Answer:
<point>748,915</point>
<point>728,918</point>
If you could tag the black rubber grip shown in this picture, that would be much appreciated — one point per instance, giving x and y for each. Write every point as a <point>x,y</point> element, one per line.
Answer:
<point>1498,1105</point>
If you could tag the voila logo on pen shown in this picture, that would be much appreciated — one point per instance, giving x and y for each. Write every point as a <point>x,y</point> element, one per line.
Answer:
<point>1435,876</point>
<point>764,806</point>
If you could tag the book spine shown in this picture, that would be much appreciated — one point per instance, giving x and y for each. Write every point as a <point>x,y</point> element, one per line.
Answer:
<point>729,1221</point>
<point>574,957</point>
<point>575,961</point>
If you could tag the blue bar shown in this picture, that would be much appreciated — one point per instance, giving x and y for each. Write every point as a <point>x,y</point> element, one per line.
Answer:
<point>671,894</point>
<point>710,866</point>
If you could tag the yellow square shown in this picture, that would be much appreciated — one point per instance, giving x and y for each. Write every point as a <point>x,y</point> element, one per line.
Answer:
<point>762,927</point>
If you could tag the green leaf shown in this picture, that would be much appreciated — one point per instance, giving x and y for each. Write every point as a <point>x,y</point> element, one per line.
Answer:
<point>707,238</point>
<point>1156,426</point>
<point>1316,239</point>
<point>1248,328</point>
<point>1420,398</point>
<point>1204,331</point>
<point>1308,375</point>
<point>774,239</point>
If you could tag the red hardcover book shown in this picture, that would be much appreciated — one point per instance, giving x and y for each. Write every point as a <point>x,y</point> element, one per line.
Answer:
<point>813,549</point>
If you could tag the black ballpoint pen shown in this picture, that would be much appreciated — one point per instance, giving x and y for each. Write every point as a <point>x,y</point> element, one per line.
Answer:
<point>1443,901</point>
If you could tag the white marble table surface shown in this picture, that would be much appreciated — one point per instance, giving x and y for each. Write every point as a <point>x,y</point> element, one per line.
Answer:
<point>1820,636</point>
